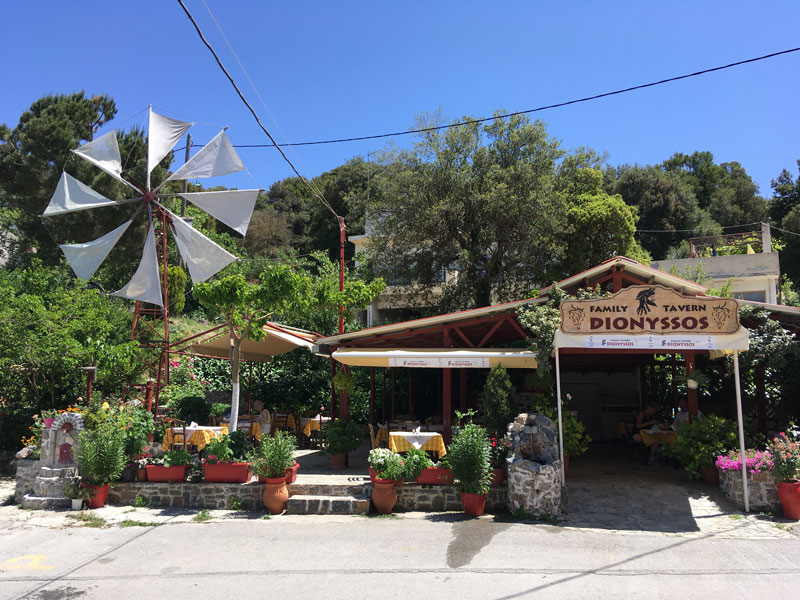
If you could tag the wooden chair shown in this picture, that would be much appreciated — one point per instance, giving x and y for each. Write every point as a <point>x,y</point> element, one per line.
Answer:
<point>372,437</point>
<point>179,440</point>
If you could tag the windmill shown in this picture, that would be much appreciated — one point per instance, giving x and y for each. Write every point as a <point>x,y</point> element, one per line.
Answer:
<point>203,257</point>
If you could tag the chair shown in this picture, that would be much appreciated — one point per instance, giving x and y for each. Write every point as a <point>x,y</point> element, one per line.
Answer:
<point>179,440</point>
<point>372,437</point>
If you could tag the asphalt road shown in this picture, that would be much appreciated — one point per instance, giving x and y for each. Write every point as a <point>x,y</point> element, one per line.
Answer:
<point>434,556</point>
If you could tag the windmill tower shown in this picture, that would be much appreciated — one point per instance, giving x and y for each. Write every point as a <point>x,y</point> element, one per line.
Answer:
<point>148,286</point>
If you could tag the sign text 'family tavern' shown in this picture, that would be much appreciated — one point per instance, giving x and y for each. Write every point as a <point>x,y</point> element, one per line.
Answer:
<point>650,309</point>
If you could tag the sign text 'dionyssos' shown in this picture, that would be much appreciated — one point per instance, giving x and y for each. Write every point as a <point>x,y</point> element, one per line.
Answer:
<point>650,309</point>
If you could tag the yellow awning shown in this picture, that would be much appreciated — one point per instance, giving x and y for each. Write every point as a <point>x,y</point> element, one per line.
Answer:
<point>437,358</point>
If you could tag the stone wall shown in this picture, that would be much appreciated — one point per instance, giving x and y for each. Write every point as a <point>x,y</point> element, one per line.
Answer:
<point>189,495</point>
<point>438,498</point>
<point>27,470</point>
<point>534,469</point>
<point>761,487</point>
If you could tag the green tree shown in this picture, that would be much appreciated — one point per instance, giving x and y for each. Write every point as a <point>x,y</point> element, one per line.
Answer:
<point>785,195</point>
<point>499,404</point>
<point>478,199</point>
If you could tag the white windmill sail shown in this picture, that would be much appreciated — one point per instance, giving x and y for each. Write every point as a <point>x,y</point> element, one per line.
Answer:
<point>72,195</point>
<point>234,208</point>
<point>162,135</point>
<point>87,257</point>
<point>203,256</point>
<point>104,153</point>
<point>145,285</point>
<point>215,158</point>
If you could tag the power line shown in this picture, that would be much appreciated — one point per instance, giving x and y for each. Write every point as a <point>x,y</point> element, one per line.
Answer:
<point>696,230</point>
<point>506,116</point>
<point>785,230</point>
<point>255,115</point>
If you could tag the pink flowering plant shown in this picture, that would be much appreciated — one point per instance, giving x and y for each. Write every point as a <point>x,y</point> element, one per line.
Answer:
<point>786,457</point>
<point>757,461</point>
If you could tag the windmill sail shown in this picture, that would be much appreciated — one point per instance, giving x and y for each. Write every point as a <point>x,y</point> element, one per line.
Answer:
<point>86,258</point>
<point>162,135</point>
<point>72,195</point>
<point>104,153</point>
<point>145,285</point>
<point>203,257</point>
<point>234,208</point>
<point>215,158</point>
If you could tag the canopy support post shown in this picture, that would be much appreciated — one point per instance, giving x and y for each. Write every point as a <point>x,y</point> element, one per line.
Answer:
<point>741,430</point>
<point>560,422</point>
<point>372,395</point>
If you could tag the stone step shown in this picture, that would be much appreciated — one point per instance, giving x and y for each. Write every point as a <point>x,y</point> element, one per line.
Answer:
<point>300,487</point>
<point>31,502</point>
<point>58,471</point>
<point>48,486</point>
<point>301,504</point>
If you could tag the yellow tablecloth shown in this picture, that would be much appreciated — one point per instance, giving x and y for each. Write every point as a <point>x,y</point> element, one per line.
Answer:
<point>383,434</point>
<point>310,425</point>
<point>198,436</point>
<point>401,441</point>
<point>661,437</point>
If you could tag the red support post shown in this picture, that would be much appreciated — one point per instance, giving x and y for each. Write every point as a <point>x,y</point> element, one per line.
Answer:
<point>462,403</point>
<point>411,410</point>
<point>394,393</point>
<point>333,389</point>
<point>447,407</point>
<point>691,394</point>
<point>372,395</point>
<point>342,237</point>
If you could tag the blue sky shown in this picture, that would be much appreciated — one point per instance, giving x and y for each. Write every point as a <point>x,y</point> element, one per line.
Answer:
<point>331,70</point>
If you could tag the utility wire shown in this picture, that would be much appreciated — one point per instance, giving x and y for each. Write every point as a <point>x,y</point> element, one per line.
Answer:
<point>506,116</point>
<point>785,230</point>
<point>695,230</point>
<point>255,115</point>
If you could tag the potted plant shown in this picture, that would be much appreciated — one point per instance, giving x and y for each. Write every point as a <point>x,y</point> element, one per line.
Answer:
<point>76,493</point>
<point>270,461</point>
<point>436,474</point>
<point>414,462</point>
<point>469,459</point>
<point>389,468</point>
<point>786,468</point>
<point>141,466</point>
<point>101,458</point>
<point>222,463</point>
<point>172,469</point>
<point>340,437</point>
<point>699,443</point>
<point>48,416</point>
<point>500,451</point>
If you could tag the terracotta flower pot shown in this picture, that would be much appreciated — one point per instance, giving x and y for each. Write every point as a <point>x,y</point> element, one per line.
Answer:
<point>226,473</point>
<point>275,494</point>
<point>789,495</point>
<point>141,475</point>
<point>498,477</point>
<point>162,474</point>
<point>384,495</point>
<point>291,473</point>
<point>474,504</point>
<point>435,476</point>
<point>338,461</point>
<point>98,499</point>
<point>372,475</point>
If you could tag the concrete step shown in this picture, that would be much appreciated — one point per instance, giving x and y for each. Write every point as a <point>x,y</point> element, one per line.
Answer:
<point>303,487</point>
<point>58,471</point>
<point>31,502</point>
<point>301,504</point>
<point>48,486</point>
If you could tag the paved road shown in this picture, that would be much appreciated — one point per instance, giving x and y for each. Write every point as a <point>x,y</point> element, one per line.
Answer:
<point>413,556</point>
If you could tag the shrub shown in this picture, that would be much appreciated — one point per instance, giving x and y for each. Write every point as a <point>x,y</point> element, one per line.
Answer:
<point>340,437</point>
<point>757,461</point>
<point>499,404</point>
<point>786,457</point>
<point>468,457</point>
<point>700,442</point>
<point>177,458</point>
<point>415,460</point>
<point>101,454</point>
<point>386,464</point>
<point>273,455</point>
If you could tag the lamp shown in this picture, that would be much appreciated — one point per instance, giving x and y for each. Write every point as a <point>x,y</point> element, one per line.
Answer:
<point>691,384</point>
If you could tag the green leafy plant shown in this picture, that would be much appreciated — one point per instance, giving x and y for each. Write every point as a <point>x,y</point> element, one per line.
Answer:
<point>202,516</point>
<point>786,457</point>
<point>386,463</point>
<point>414,461</point>
<point>140,502</point>
<point>500,451</point>
<point>137,425</point>
<point>340,437</point>
<point>273,455</point>
<point>700,442</point>
<point>227,448</point>
<point>469,459</point>
<point>236,503</point>
<point>499,400</point>
<point>101,454</point>
<point>343,381</point>
<point>218,409</point>
<point>177,458</point>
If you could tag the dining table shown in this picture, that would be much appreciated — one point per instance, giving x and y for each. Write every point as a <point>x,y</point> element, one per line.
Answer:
<point>198,435</point>
<point>403,441</point>
<point>311,424</point>
<point>658,436</point>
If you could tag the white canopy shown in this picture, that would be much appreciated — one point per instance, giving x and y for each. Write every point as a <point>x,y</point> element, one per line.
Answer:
<point>437,358</point>
<point>162,135</point>
<point>279,339</point>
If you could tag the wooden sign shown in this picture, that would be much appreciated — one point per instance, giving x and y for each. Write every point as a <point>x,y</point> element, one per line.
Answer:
<point>650,309</point>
